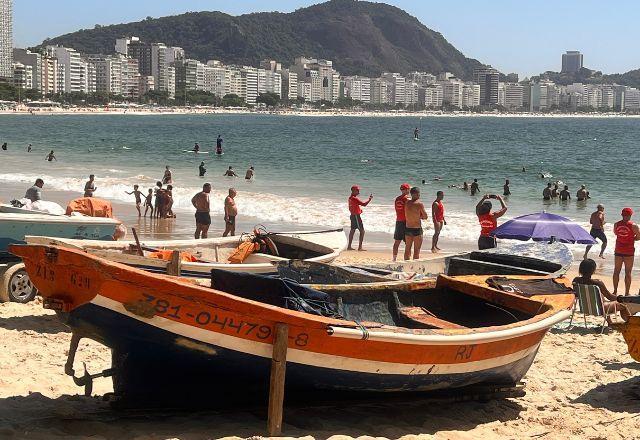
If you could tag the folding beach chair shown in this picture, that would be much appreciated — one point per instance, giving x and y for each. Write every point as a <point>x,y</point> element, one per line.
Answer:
<point>591,303</point>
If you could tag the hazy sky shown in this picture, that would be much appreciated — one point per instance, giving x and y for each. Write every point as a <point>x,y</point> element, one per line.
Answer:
<point>527,37</point>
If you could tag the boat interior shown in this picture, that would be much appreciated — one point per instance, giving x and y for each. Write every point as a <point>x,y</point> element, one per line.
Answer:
<point>491,263</point>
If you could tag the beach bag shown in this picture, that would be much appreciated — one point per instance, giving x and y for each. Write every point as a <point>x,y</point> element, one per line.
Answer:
<point>243,251</point>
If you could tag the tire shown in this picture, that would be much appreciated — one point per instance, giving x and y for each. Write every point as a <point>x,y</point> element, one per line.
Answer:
<point>16,285</point>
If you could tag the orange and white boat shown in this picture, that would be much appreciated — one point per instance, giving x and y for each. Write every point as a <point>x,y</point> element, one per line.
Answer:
<point>171,335</point>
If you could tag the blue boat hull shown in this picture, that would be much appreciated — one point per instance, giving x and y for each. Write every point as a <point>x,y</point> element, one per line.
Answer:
<point>156,365</point>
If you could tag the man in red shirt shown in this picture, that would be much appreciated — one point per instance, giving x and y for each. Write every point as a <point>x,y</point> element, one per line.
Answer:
<point>355,210</point>
<point>437,214</point>
<point>401,219</point>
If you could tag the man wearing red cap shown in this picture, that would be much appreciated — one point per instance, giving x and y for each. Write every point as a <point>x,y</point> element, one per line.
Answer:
<point>401,219</point>
<point>627,233</point>
<point>437,215</point>
<point>355,210</point>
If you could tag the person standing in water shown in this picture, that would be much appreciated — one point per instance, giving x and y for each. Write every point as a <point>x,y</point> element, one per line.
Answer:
<point>413,235</point>
<point>201,169</point>
<point>230,173</point>
<point>488,220</point>
<point>29,148</point>
<point>50,157</point>
<point>355,210</point>
<point>148,203</point>
<point>230,213</point>
<point>4,146</point>
<point>474,187</point>
<point>582,194</point>
<point>219,145</point>
<point>138,196</point>
<point>249,174</point>
<point>546,193</point>
<point>627,233</point>
<point>90,186</point>
<point>437,215</point>
<point>203,216</point>
<point>565,194</point>
<point>416,134</point>
<point>168,177</point>
<point>597,230</point>
<point>506,189</point>
<point>401,219</point>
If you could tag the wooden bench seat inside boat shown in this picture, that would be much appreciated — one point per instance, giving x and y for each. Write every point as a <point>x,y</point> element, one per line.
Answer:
<point>425,318</point>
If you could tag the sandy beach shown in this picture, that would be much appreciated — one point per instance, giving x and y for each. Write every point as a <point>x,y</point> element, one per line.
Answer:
<point>582,385</point>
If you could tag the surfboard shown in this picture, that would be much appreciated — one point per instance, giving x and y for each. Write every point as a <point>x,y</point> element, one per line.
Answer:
<point>199,152</point>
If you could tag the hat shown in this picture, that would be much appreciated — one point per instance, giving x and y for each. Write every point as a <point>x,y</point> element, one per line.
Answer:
<point>405,186</point>
<point>355,187</point>
<point>627,211</point>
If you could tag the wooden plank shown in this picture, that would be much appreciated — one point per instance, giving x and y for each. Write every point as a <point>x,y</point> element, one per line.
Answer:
<point>138,247</point>
<point>174,265</point>
<point>277,380</point>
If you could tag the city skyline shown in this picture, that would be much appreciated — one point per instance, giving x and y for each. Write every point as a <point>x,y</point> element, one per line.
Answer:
<point>511,46</point>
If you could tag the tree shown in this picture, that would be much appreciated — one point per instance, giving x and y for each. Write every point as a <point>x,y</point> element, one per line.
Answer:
<point>269,99</point>
<point>232,100</point>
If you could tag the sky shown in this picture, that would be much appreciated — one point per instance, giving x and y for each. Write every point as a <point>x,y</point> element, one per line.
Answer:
<point>526,37</point>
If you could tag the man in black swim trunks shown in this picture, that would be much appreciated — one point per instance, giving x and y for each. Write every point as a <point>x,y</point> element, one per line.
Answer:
<point>546,193</point>
<point>203,217</point>
<point>414,213</point>
<point>597,230</point>
<point>230,213</point>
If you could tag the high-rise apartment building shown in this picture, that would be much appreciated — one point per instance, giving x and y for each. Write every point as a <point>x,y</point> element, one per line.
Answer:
<point>22,76</point>
<point>74,69</point>
<point>487,78</point>
<point>358,88</point>
<point>32,59</point>
<point>572,61</point>
<point>6,39</point>
<point>513,96</point>
<point>289,85</point>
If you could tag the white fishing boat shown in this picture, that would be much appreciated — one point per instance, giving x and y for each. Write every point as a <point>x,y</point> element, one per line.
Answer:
<point>198,257</point>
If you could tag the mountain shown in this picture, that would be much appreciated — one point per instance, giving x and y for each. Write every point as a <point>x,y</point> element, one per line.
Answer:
<point>588,76</point>
<point>360,37</point>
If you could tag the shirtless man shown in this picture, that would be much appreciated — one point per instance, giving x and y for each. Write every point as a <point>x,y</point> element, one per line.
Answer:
<point>202,170</point>
<point>138,195</point>
<point>203,217</point>
<point>230,213</point>
<point>230,173</point>
<point>50,157</point>
<point>167,178</point>
<point>546,193</point>
<point>506,190</point>
<point>565,194</point>
<point>249,174</point>
<point>90,187</point>
<point>437,215</point>
<point>597,230</point>
<point>414,212</point>
<point>475,187</point>
<point>582,194</point>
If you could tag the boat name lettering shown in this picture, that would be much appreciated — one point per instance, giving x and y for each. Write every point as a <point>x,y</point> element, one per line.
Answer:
<point>45,273</point>
<point>464,352</point>
<point>80,280</point>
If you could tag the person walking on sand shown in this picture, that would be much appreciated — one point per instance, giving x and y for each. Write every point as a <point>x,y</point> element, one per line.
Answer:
<point>35,192</point>
<point>627,233</point>
<point>203,217</point>
<point>488,220</point>
<point>249,174</point>
<point>201,169</point>
<point>230,213</point>
<point>474,187</point>
<point>50,157</point>
<point>437,215</point>
<point>148,203</point>
<point>90,187</point>
<point>168,177</point>
<point>597,230</point>
<point>565,194</point>
<point>230,173</point>
<point>414,212</point>
<point>138,196</point>
<point>401,220</point>
<point>355,211</point>
<point>506,190</point>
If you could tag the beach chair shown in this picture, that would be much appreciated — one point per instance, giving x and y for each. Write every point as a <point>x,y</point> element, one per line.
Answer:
<point>590,299</point>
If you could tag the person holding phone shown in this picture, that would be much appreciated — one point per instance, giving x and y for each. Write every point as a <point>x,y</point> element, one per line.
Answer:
<point>488,220</point>
<point>355,209</point>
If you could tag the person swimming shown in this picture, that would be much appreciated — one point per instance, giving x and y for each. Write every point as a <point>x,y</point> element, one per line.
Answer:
<point>50,157</point>
<point>202,170</point>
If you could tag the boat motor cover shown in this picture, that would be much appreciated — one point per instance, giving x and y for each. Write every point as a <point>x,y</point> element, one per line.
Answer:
<point>527,288</point>
<point>91,207</point>
<point>274,291</point>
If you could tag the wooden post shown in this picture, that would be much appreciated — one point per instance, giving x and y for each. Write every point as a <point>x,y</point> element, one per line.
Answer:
<point>138,247</point>
<point>173,266</point>
<point>276,383</point>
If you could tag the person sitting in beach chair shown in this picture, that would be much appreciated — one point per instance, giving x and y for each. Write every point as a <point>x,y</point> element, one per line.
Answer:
<point>594,297</point>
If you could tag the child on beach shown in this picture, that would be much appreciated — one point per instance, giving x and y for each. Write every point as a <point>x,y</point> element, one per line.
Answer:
<point>148,203</point>
<point>355,210</point>
<point>138,196</point>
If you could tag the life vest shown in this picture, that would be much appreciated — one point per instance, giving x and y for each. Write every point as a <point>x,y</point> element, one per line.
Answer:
<point>243,251</point>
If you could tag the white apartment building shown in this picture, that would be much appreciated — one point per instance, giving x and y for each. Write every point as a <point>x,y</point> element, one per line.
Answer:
<point>395,87</point>
<point>470,95</point>
<point>289,85</point>
<point>49,76</point>
<point>607,96</point>
<point>32,59</point>
<point>108,74</point>
<point>22,76</point>
<point>632,99</point>
<point>269,82</point>
<point>452,92</point>
<point>6,38</point>
<point>73,67</point>
<point>162,58</point>
<point>433,96</point>
<point>513,96</point>
<point>501,93</point>
<point>214,78</point>
<point>249,76</point>
<point>411,93</point>
<point>379,93</point>
<point>357,88</point>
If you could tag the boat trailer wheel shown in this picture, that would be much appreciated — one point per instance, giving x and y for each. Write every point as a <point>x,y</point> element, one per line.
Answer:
<point>18,285</point>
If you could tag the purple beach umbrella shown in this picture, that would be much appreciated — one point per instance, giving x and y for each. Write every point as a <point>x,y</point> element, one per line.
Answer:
<point>541,226</point>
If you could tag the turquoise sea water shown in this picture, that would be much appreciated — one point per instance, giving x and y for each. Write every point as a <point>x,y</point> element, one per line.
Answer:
<point>306,165</point>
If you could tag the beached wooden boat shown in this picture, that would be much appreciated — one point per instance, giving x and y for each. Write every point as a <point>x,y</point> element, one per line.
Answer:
<point>310,272</point>
<point>213,253</point>
<point>172,337</point>
<point>531,258</point>
<point>631,329</point>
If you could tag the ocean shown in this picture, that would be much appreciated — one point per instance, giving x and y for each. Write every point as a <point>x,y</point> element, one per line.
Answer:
<point>305,165</point>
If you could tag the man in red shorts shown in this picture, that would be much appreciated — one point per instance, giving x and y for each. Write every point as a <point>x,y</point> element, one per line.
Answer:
<point>355,209</point>
<point>401,219</point>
